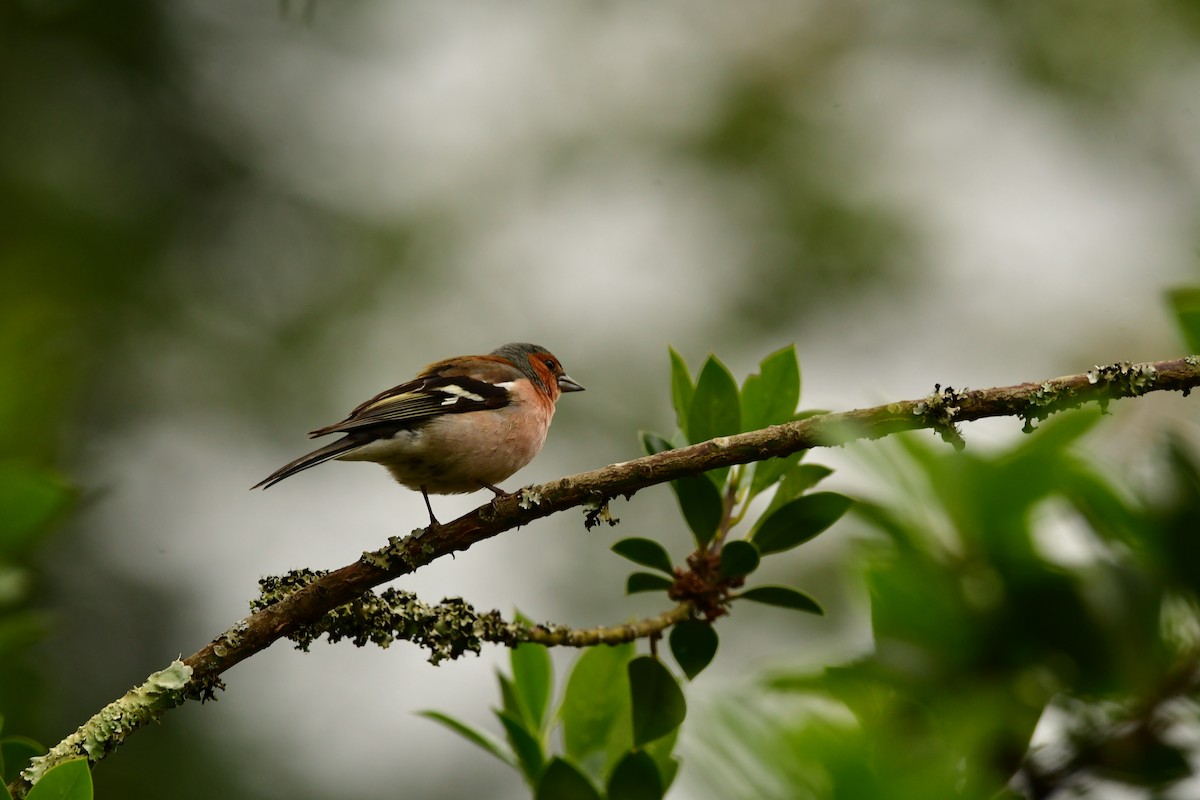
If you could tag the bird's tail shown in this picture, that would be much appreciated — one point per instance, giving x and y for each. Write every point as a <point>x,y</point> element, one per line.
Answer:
<point>326,453</point>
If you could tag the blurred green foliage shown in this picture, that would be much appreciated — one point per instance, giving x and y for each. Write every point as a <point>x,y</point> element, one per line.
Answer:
<point>1005,590</point>
<point>1185,303</point>
<point>101,165</point>
<point>32,499</point>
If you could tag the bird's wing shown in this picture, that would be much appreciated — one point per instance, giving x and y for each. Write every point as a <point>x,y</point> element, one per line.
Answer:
<point>410,404</point>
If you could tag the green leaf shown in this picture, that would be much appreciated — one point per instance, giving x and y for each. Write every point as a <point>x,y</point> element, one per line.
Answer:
<point>70,780</point>
<point>766,473</point>
<point>1056,434</point>
<point>784,597</point>
<point>667,764</point>
<point>682,389</point>
<point>653,444</point>
<point>15,752</point>
<point>646,552</point>
<point>562,780</point>
<point>715,409</point>
<point>693,643</point>
<point>30,498</point>
<point>472,735</point>
<point>597,695</point>
<point>1100,504</point>
<point>771,396</point>
<point>647,582</point>
<point>1185,302</point>
<point>21,629</point>
<point>533,679</point>
<point>798,480</point>
<point>658,704</point>
<point>525,745</point>
<point>739,557</point>
<point>635,778</point>
<point>701,504</point>
<point>799,521</point>
<point>620,737</point>
<point>4,795</point>
<point>1152,763</point>
<point>509,697</point>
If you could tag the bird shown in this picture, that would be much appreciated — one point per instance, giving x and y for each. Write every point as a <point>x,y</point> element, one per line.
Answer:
<point>462,424</point>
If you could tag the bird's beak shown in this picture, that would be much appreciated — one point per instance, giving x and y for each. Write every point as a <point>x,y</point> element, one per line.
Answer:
<point>567,384</point>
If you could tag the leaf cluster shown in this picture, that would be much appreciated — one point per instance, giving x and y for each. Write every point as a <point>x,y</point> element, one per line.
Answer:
<point>715,503</point>
<point>617,721</point>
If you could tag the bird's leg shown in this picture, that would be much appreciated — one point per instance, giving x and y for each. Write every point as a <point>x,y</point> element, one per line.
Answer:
<point>433,523</point>
<point>498,491</point>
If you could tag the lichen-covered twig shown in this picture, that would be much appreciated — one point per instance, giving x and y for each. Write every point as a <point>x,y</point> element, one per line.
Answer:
<point>448,629</point>
<point>942,410</point>
<point>101,734</point>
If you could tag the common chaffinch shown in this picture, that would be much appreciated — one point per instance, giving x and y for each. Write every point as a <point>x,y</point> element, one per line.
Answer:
<point>461,425</point>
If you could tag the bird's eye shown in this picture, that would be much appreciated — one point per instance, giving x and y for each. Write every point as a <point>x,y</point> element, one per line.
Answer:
<point>551,364</point>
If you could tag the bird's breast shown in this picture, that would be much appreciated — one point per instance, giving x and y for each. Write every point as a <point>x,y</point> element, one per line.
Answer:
<point>458,453</point>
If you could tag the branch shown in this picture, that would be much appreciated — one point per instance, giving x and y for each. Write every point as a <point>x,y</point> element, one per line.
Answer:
<point>448,629</point>
<point>308,604</point>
